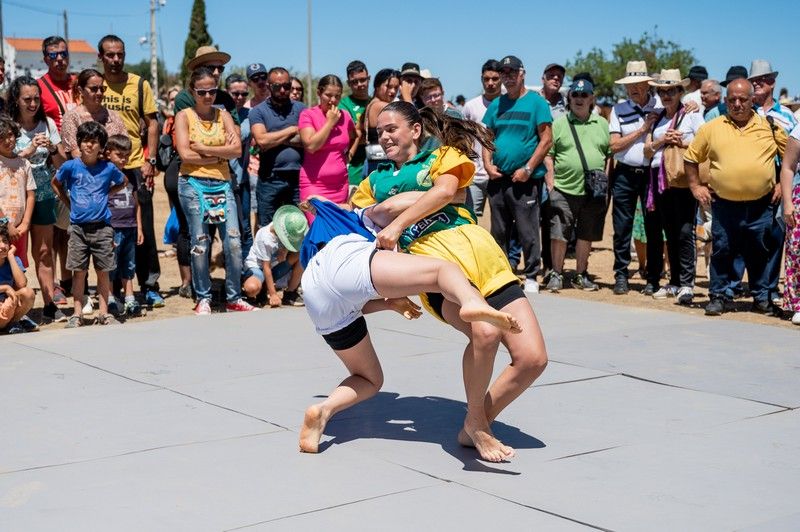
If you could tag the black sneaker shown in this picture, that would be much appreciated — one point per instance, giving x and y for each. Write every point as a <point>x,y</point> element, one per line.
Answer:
<point>715,307</point>
<point>764,307</point>
<point>649,290</point>
<point>52,313</point>
<point>292,299</point>
<point>621,286</point>
<point>581,281</point>
<point>27,324</point>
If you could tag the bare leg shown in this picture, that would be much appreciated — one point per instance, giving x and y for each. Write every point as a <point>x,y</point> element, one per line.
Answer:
<point>78,282</point>
<point>297,272</point>
<point>42,244</point>
<point>60,240</point>
<point>558,250</point>
<point>366,378</point>
<point>399,275</point>
<point>582,250</point>
<point>641,254</point>
<point>25,297</point>
<point>253,286</point>
<point>186,275</point>
<point>103,289</point>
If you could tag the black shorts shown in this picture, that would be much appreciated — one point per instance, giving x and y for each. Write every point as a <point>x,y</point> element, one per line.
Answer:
<point>349,336</point>
<point>497,299</point>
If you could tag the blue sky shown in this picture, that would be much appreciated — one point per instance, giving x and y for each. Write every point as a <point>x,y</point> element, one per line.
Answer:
<point>451,38</point>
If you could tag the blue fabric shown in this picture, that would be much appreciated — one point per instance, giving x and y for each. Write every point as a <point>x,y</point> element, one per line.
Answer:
<point>171,228</point>
<point>331,221</point>
<point>6,277</point>
<point>88,189</point>
<point>275,118</point>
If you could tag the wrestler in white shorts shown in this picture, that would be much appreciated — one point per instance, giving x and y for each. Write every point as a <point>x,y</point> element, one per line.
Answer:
<point>337,283</point>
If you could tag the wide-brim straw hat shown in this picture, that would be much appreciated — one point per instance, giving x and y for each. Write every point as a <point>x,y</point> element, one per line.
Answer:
<point>635,72</point>
<point>670,77</point>
<point>207,54</point>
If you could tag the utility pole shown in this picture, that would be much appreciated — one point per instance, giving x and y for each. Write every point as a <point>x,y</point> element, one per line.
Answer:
<point>309,87</point>
<point>2,39</point>
<point>153,54</point>
<point>66,29</point>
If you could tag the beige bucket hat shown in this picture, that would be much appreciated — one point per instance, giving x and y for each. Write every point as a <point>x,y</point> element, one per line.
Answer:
<point>670,77</point>
<point>207,54</point>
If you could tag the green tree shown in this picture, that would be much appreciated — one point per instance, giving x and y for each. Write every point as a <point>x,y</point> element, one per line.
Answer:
<point>142,68</point>
<point>608,67</point>
<point>198,35</point>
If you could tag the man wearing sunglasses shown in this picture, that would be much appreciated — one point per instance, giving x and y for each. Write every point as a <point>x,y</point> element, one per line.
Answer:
<point>273,125</point>
<point>209,56</point>
<point>55,86</point>
<point>355,103</point>
<point>132,98</point>
<point>257,76</point>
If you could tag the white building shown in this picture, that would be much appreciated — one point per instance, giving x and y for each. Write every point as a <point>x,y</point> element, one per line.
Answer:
<point>24,57</point>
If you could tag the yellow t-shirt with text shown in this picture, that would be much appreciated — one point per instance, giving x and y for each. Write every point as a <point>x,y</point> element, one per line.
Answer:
<point>124,99</point>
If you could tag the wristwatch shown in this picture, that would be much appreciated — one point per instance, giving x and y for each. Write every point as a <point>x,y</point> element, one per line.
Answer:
<point>152,161</point>
<point>527,169</point>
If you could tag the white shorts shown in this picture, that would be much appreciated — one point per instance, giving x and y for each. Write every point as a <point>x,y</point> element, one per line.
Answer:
<point>337,283</point>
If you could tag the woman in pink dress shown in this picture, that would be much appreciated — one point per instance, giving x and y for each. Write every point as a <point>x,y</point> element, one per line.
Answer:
<point>327,134</point>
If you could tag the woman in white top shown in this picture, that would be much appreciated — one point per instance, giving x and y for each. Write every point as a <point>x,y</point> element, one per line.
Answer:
<point>668,194</point>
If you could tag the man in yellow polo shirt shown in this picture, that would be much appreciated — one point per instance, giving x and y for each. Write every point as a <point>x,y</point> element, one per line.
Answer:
<point>743,193</point>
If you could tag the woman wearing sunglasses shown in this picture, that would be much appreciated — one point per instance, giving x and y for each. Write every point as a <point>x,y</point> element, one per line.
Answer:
<point>668,193</point>
<point>206,139</point>
<point>91,89</point>
<point>327,133</point>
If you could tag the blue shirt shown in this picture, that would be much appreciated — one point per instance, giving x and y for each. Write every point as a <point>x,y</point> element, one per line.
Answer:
<point>88,189</point>
<point>275,118</point>
<point>515,125</point>
<point>6,277</point>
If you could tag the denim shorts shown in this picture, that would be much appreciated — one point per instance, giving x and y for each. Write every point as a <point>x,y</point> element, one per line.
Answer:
<point>125,251</point>
<point>279,271</point>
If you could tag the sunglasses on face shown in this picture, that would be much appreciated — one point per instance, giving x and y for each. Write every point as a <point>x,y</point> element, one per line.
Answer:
<point>96,88</point>
<point>206,92</point>
<point>278,86</point>
<point>217,68</point>
<point>580,94</point>
<point>239,94</point>
<point>508,73</point>
<point>31,99</point>
<point>668,92</point>
<point>258,78</point>
<point>766,80</point>
<point>55,55</point>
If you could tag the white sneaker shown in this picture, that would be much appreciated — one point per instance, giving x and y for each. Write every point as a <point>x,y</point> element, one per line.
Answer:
<point>685,295</point>
<point>666,291</point>
<point>531,286</point>
<point>796,318</point>
<point>88,306</point>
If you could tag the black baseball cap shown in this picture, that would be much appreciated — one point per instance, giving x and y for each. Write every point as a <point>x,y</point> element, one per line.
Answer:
<point>555,65</point>
<point>511,62</point>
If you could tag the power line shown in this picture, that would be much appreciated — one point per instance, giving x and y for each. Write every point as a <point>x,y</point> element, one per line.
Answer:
<point>71,13</point>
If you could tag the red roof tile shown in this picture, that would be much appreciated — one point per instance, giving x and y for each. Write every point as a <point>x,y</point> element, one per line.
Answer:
<point>35,45</point>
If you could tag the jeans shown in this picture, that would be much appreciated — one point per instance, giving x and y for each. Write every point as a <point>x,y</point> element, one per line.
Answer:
<point>741,228</point>
<point>629,186</point>
<point>675,213</point>
<point>125,250</point>
<point>148,269</point>
<point>243,195</point>
<point>201,241</point>
<point>281,188</point>
<point>477,196</point>
<point>517,205</point>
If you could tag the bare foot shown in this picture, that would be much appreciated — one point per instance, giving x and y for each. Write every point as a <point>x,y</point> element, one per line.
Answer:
<point>490,448</point>
<point>313,425</point>
<point>464,440</point>
<point>483,312</point>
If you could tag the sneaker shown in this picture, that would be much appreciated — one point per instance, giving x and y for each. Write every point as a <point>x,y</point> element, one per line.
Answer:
<point>292,299</point>
<point>113,305</point>
<point>88,306</point>
<point>73,322</point>
<point>796,318</point>
<point>27,324</point>
<point>53,314</point>
<point>685,295</point>
<point>764,307</point>
<point>620,286</point>
<point>185,291</point>
<point>649,289</point>
<point>240,305</point>
<point>666,291</point>
<point>581,281</point>
<point>15,328</point>
<point>555,283</point>
<point>133,308</point>
<point>107,319</point>
<point>715,307</point>
<point>531,286</point>
<point>203,308</point>
<point>59,297</point>
<point>153,299</point>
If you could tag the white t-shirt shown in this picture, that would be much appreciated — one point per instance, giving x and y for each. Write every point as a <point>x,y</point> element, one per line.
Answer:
<point>688,127</point>
<point>474,110</point>
<point>694,96</point>
<point>265,249</point>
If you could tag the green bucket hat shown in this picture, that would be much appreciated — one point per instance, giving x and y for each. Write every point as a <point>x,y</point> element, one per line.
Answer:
<point>291,226</point>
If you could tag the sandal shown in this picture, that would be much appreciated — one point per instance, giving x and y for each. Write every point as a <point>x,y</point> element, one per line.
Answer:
<point>107,319</point>
<point>73,322</point>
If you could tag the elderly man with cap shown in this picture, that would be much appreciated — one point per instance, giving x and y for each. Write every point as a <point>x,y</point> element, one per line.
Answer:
<point>522,125</point>
<point>629,124</point>
<point>552,79</point>
<point>741,147</point>
<point>208,56</point>
<point>697,75</point>
<point>763,78</point>
<point>735,72</point>
<point>580,143</point>
<point>410,80</point>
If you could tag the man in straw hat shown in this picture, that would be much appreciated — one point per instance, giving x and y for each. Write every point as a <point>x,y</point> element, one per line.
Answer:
<point>629,123</point>
<point>763,78</point>
<point>741,147</point>
<point>210,57</point>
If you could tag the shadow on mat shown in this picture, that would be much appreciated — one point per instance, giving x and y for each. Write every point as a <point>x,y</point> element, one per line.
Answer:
<point>424,419</point>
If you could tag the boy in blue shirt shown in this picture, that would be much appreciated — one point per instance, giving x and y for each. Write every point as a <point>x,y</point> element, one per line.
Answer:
<point>89,181</point>
<point>16,297</point>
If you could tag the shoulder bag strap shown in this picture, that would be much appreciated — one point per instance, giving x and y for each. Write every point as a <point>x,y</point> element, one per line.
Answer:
<point>578,145</point>
<point>141,97</point>
<point>53,92</point>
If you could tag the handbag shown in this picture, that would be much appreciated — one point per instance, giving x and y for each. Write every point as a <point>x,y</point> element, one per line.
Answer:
<point>596,181</point>
<point>672,161</point>
<point>166,152</point>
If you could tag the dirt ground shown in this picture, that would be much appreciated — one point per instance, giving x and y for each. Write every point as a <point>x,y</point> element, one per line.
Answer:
<point>600,266</point>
